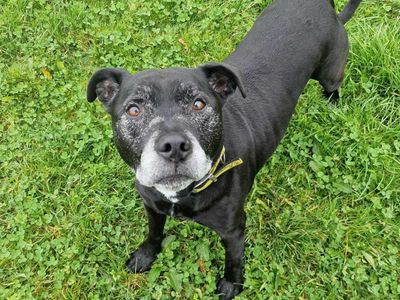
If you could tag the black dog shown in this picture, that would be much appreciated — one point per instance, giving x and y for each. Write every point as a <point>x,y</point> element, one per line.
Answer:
<point>195,144</point>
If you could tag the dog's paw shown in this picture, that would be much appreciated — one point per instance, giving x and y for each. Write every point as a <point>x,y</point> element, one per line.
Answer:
<point>332,97</point>
<point>228,290</point>
<point>142,259</point>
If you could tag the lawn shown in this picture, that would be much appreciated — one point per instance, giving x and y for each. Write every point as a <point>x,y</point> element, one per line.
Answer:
<point>323,214</point>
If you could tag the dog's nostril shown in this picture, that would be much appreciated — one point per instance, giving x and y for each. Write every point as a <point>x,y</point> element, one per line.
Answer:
<point>167,147</point>
<point>185,146</point>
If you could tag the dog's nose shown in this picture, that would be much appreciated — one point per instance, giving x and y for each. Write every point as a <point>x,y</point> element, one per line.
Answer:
<point>173,146</point>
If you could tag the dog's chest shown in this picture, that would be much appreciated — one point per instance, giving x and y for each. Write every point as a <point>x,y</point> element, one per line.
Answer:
<point>184,207</point>
<point>173,209</point>
<point>179,212</point>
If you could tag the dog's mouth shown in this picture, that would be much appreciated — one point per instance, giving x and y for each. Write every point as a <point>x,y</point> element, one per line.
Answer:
<point>174,179</point>
<point>170,185</point>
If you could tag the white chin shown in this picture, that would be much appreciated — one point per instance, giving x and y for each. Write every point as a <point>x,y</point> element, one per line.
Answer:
<point>170,190</point>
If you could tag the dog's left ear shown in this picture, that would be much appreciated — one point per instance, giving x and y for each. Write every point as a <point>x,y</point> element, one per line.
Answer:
<point>223,78</point>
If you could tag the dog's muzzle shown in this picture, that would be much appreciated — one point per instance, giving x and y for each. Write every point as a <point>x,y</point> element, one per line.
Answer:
<point>172,161</point>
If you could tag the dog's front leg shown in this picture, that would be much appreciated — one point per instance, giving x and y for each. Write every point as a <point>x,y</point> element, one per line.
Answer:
<point>231,284</point>
<point>142,259</point>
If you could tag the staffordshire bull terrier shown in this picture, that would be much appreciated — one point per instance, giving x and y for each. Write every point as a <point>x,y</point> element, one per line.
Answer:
<point>194,142</point>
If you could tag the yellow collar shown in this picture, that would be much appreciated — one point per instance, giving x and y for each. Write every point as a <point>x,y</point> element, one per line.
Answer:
<point>213,174</point>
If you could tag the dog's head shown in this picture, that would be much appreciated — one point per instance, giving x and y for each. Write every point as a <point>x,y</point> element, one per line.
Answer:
<point>167,124</point>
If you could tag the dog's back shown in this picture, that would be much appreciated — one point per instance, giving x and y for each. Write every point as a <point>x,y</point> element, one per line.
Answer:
<point>291,42</point>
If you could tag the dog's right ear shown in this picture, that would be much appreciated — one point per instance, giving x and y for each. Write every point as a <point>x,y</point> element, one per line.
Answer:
<point>105,85</point>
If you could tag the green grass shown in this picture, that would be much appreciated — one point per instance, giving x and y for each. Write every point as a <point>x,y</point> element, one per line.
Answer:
<point>324,213</point>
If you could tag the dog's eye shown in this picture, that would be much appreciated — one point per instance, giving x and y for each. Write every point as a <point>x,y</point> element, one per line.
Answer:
<point>198,104</point>
<point>133,110</point>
